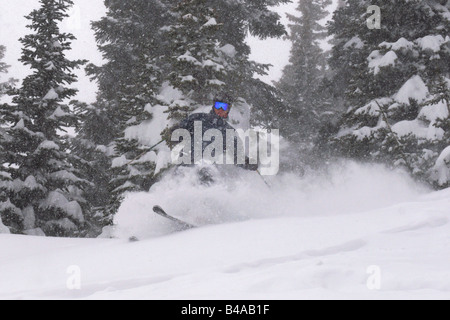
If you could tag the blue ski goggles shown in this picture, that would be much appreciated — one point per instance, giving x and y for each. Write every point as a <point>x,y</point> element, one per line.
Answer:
<point>222,105</point>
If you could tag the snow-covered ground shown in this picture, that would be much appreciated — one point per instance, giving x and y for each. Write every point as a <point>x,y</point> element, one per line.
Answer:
<point>360,228</point>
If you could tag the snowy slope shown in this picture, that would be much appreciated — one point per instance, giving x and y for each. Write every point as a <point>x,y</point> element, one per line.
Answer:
<point>287,256</point>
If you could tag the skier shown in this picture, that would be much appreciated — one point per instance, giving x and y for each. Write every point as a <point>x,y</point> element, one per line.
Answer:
<point>216,119</point>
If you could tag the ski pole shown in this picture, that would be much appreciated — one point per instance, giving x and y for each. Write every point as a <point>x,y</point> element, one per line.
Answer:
<point>146,151</point>
<point>263,179</point>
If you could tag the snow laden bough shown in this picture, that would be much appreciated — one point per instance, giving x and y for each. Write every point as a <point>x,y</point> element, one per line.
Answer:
<point>441,171</point>
<point>54,215</point>
<point>15,218</point>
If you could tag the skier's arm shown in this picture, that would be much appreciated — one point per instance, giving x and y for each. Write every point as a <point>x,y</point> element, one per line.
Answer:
<point>168,132</point>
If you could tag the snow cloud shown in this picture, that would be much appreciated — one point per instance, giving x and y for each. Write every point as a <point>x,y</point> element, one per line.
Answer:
<point>239,195</point>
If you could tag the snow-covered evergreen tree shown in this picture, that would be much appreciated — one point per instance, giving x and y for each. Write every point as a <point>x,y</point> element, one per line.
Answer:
<point>3,88</point>
<point>210,55</point>
<point>440,173</point>
<point>301,83</point>
<point>92,150</point>
<point>5,177</point>
<point>391,78</point>
<point>42,192</point>
<point>127,37</point>
<point>238,19</point>
<point>200,65</point>
<point>131,40</point>
<point>351,45</point>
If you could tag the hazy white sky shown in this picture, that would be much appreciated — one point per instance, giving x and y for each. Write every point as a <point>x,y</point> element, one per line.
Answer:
<point>12,27</point>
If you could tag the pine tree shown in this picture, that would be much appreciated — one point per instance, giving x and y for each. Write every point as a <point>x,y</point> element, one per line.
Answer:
<point>242,17</point>
<point>92,152</point>
<point>200,66</point>
<point>210,56</point>
<point>440,173</point>
<point>5,177</point>
<point>390,79</point>
<point>44,192</point>
<point>3,88</point>
<point>303,76</point>
<point>237,20</point>
<point>131,40</point>
<point>127,37</point>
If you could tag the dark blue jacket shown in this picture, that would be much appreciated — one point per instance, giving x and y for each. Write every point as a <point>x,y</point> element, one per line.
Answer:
<point>212,121</point>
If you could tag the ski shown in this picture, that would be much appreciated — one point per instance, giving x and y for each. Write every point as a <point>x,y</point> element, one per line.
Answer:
<point>184,225</point>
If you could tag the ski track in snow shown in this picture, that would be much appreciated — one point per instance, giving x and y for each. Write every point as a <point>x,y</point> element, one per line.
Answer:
<point>306,257</point>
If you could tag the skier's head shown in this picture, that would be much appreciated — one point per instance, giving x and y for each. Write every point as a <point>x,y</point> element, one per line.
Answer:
<point>222,106</point>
